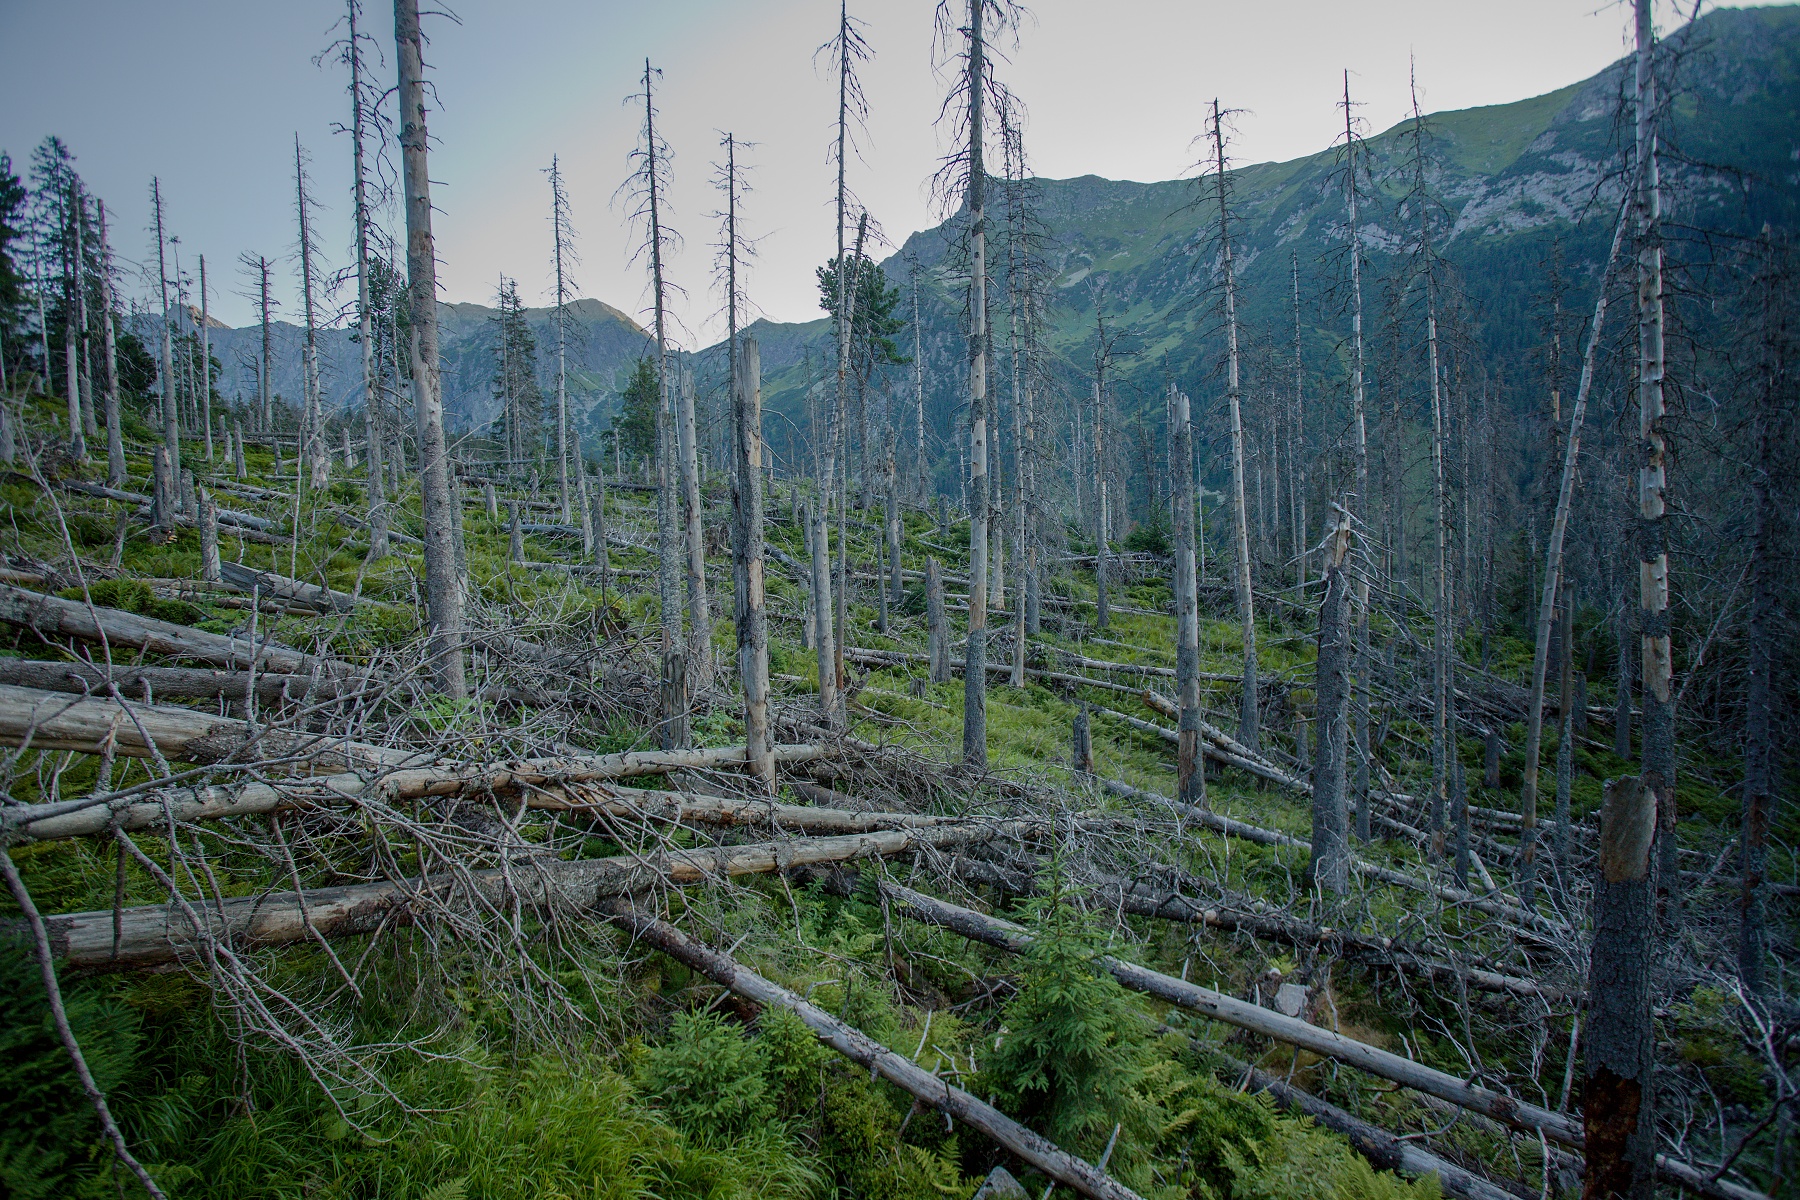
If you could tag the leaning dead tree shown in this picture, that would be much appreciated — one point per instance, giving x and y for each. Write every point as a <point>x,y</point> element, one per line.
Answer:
<point>443,581</point>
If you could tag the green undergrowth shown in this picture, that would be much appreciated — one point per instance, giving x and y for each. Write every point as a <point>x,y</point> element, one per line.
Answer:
<point>655,1083</point>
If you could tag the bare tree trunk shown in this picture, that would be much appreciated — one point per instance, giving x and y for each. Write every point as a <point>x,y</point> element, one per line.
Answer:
<point>920,467</point>
<point>1101,516</point>
<point>700,658</point>
<point>313,457</point>
<point>72,331</point>
<point>1442,732</point>
<point>1249,720</point>
<point>205,363</point>
<point>1190,771</point>
<point>1540,658</point>
<point>752,621</point>
<point>171,413</point>
<point>1617,1097</point>
<point>1330,865</point>
<point>975,657</point>
<point>365,324</point>
<point>1658,763</point>
<point>937,632</point>
<point>265,387</point>
<point>559,223</point>
<point>1359,425</point>
<point>1081,758</point>
<point>115,437</point>
<point>209,538</point>
<point>443,586</point>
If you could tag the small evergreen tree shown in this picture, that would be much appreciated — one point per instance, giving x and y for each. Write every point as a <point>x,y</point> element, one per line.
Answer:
<point>634,427</point>
<point>1071,1055</point>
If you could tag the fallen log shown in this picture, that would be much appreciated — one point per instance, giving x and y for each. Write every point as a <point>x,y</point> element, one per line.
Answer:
<point>893,658</point>
<point>1383,1150</point>
<point>545,779</point>
<point>864,1051</point>
<point>247,579</point>
<point>52,616</point>
<point>155,934</point>
<point>56,721</point>
<point>1139,900</point>
<point>1243,1015</point>
<point>1215,748</point>
<point>167,683</point>
<point>1272,837</point>
<point>226,516</point>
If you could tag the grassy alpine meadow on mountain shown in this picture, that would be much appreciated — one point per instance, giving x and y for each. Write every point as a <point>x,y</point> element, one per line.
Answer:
<point>1272,684</point>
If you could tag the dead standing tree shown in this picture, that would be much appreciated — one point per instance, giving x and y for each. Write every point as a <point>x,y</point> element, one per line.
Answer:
<point>1190,774</point>
<point>362,112</point>
<point>1249,720</point>
<point>646,188</point>
<point>974,97</point>
<point>443,583</point>
<point>846,49</point>
<point>564,236</point>
<point>170,405</point>
<point>1553,570</point>
<point>1360,437</point>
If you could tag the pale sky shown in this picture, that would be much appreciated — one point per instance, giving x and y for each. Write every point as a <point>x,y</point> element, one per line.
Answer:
<point>208,95</point>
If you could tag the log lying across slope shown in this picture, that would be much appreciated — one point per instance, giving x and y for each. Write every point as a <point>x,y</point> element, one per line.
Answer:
<point>85,725</point>
<point>151,935</point>
<point>1271,837</point>
<point>168,683</point>
<point>1241,1013</point>
<point>52,617</point>
<point>863,1050</point>
<point>56,721</point>
<point>1383,1150</point>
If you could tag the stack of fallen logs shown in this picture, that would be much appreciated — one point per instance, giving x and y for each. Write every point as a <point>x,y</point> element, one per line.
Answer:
<point>271,769</point>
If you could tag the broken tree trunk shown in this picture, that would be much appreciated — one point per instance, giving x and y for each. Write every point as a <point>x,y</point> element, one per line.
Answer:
<point>1330,867</point>
<point>1617,1098</point>
<point>897,1069</point>
<point>752,619</point>
<point>937,633</point>
<point>155,934</point>
<point>1190,772</point>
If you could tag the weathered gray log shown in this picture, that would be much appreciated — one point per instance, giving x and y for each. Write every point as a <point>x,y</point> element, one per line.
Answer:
<point>281,587</point>
<point>56,721</point>
<point>166,683</point>
<point>1243,1015</point>
<point>541,779</point>
<point>155,934</point>
<point>52,616</point>
<point>864,1051</point>
<point>1383,1150</point>
<point>1271,837</point>
<point>1141,900</point>
<point>148,503</point>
